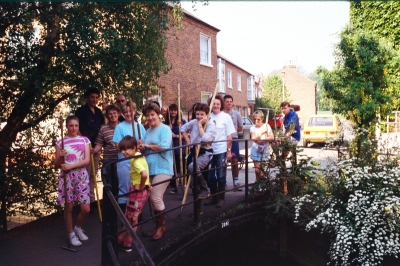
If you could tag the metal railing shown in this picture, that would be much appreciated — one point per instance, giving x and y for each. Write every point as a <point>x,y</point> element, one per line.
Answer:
<point>112,212</point>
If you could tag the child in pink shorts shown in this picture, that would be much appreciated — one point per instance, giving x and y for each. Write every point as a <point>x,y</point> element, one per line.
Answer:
<point>139,188</point>
<point>72,155</point>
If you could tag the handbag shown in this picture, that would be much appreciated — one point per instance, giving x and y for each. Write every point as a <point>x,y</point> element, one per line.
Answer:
<point>261,147</point>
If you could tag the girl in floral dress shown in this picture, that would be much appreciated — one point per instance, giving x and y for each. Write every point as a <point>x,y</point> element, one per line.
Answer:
<point>76,153</point>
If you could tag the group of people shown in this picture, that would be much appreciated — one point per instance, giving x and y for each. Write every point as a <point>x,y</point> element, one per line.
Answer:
<point>213,134</point>
<point>262,135</point>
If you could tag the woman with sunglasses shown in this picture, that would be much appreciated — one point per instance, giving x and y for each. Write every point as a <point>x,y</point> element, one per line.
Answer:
<point>261,134</point>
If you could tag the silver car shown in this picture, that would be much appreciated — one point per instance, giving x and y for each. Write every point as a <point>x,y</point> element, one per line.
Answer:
<point>247,123</point>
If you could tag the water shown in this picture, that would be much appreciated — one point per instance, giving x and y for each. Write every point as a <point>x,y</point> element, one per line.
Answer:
<point>245,247</point>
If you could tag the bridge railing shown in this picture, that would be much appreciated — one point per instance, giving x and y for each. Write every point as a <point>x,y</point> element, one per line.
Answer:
<point>112,212</point>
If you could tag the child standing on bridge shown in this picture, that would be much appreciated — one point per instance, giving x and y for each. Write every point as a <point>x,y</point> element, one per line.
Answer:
<point>76,153</point>
<point>139,174</point>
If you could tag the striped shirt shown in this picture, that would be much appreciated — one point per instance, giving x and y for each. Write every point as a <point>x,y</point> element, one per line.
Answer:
<point>105,140</point>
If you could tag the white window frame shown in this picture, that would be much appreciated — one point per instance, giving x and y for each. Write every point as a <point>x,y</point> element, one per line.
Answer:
<point>221,75</point>
<point>205,95</point>
<point>206,61</point>
<point>250,88</point>
<point>230,79</point>
<point>239,82</point>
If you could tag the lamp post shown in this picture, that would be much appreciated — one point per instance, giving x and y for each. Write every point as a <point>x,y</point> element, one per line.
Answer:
<point>283,86</point>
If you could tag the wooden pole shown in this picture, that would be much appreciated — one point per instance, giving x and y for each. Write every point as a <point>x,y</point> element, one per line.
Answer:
<point>179,117</point>
<point>95,184</point>
<point>173,152</point>
<point>133,120</point>
<point>105,116</point>
<point>66,216</point>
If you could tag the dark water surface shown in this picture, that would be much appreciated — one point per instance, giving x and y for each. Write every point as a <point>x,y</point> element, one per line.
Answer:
<point>250,247</point>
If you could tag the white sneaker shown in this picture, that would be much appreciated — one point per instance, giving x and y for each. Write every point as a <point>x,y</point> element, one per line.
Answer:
<point>80,234</point>
<point>75,241</point>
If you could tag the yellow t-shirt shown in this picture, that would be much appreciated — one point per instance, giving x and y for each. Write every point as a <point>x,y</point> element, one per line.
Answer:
<point>137,166</point>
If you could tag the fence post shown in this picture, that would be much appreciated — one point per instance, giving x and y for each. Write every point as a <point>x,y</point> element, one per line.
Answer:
<point>195,194</point>
<point>109,224</point>
<point>246,171</point>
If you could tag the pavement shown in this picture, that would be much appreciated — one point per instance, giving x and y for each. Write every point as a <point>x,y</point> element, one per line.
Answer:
<point>39,242</point>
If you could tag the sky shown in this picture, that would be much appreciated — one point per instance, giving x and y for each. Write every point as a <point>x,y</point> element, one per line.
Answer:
<point>264,36</point>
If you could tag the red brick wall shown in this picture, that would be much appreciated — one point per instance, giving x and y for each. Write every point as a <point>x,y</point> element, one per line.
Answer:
<point>239,97</point>
<point>302,91</point>
<point>183,55</point>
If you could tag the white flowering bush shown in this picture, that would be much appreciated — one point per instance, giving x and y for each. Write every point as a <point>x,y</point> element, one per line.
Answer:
<point>357,201</point>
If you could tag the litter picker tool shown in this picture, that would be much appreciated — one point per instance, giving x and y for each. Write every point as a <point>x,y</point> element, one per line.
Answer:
<point>95,184</point>
<point>133,119</point>
<point>66,216</point>
<point>198,149</point>
<point>179,117</point>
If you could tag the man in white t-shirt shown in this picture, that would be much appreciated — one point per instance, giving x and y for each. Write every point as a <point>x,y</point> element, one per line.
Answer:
<point>238,123</point>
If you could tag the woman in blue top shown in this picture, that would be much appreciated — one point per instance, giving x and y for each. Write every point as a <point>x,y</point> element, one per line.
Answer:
<point>158,138</point>
<point>123,168</point>
<point>172,120</point>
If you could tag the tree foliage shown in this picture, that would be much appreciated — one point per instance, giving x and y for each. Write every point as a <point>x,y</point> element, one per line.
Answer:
<point>379,17</point>
<point>382,19</point>
<point>51,52</point>
<point>364,79</point>
<point>272,93</point>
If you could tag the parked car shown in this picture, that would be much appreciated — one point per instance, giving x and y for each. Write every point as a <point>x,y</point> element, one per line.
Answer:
<point>318,128</point>
<point>247,123</point>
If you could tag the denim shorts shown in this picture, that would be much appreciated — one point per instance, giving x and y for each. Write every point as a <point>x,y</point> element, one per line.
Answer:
<point>257,156</point>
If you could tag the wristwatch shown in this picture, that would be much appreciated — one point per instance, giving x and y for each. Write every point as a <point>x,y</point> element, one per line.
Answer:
<point>228,149</point>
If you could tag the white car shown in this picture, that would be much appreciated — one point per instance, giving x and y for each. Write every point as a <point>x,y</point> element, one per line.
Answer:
<point>247,123</point>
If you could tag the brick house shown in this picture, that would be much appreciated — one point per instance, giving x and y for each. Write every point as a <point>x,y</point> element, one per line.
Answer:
<point>192,54</point>
<point>195,65</point>
<point>239,83</point>
<point>302,91</point>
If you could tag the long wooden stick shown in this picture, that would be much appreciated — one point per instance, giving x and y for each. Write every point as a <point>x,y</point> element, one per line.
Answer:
<point>173,152</point>
<point>104,99</point>
<point>66,216</point>
<point>133,120</point>
<point>179,116</point>
<point>95,184</point>
<point>198,146</point>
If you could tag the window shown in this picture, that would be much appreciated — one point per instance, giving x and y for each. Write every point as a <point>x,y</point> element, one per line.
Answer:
<point>250,88</point>
<point>205,50</point>
<point>221,75</point>
<point>239,82</point>
<point>229,78</point>
<point>205,96</point>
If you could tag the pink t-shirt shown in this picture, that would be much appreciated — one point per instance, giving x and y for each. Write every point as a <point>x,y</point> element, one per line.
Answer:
<point>75,148</point>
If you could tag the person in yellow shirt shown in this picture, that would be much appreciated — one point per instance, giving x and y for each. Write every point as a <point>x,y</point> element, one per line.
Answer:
<point>139,189</point>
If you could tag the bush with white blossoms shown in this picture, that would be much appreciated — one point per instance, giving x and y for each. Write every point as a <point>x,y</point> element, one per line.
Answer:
<point>358,203</point>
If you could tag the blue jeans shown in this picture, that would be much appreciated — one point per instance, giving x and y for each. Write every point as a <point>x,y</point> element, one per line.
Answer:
<point>124,180</point>
<point>218,176</point>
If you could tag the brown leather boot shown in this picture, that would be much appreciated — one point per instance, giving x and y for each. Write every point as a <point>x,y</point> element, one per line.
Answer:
<point>160,227</point>
<point>152,232</point>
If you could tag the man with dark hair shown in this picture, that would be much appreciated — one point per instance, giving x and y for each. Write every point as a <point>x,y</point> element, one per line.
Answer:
<point>238,123</point>
<point>291,125</point>
<point>90,121</point>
